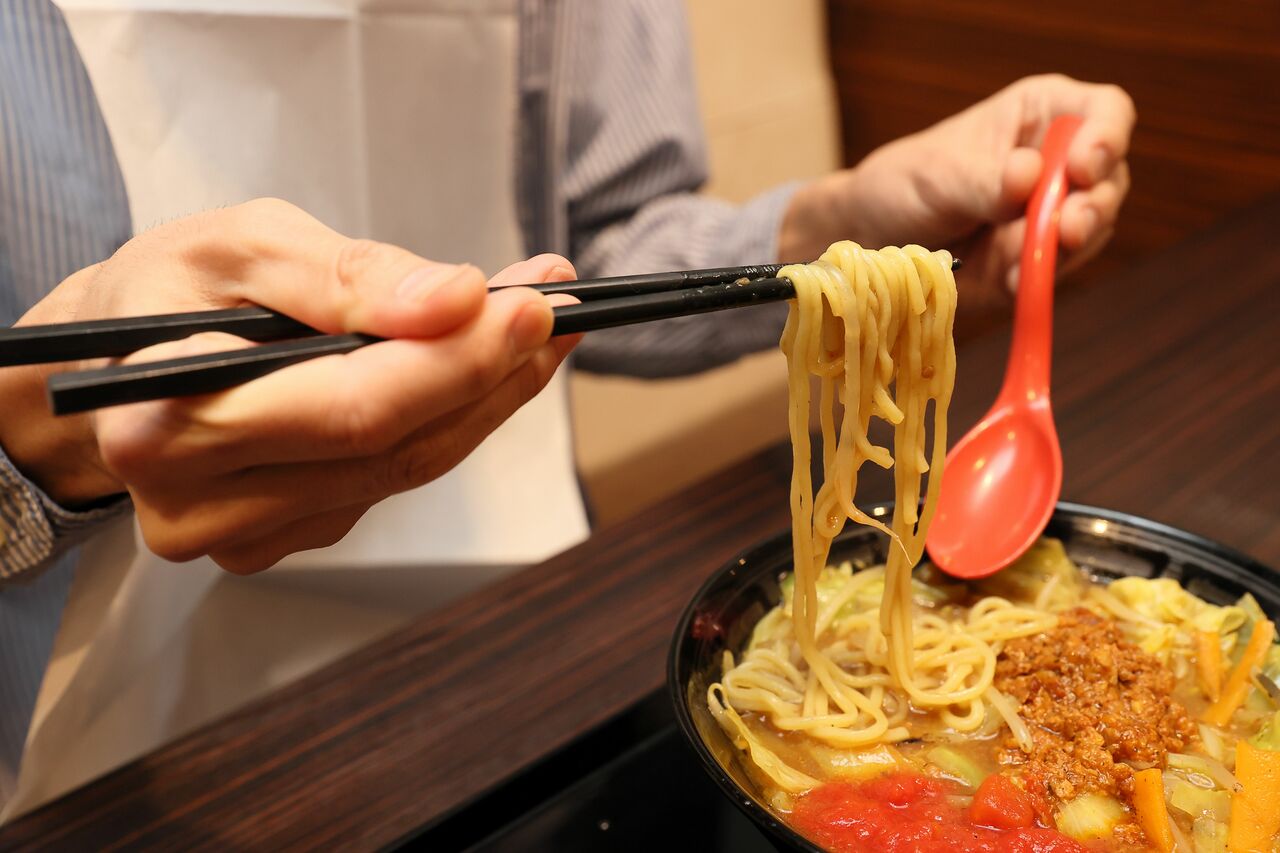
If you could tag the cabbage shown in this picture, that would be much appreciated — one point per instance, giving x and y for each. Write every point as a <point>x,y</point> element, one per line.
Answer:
<point>957,766</point>
<point>833,584</point>
<point>1159,641</point>
<point>1269,736</point>
<point>1164,600</point>
<point>1210,769</point>
<point>1195,800</point>
<point>1024,580</point>
<point>1209,836</point>
<point>1252,615</point>
<point>856,764</point>
<point>1271,663</point>
<point>1090,816</point>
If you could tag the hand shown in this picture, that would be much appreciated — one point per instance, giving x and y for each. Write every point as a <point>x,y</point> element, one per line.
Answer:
<point>964,183</point>
<point>290,461</point>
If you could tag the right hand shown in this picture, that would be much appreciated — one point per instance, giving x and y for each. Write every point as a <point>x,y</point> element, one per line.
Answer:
<point>290,461</point>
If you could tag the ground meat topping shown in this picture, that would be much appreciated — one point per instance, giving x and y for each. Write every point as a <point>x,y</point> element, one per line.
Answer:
<point>1095,701</point>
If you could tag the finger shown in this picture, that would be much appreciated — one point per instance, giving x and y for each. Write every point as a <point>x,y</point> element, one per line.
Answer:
<point>1103,138</point>
<point>543,269</point>
<point>537,270</point>
<point>1087,213</point>
<point>563,344</point>
<point>307,534</point>
<point>363,402</point>
<point>1006,252</point>
<point>134,440</point>
<point>1021,173</point>
<point>180,523</point>
<point>1074,259</point>
<point>270,253</point>
<point>354,404</point>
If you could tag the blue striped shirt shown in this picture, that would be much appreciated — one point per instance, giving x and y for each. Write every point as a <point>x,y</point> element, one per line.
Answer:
<point>611,156</point>
<point>62,208</point>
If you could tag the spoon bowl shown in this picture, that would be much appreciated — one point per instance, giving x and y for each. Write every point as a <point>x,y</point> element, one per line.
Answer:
<point>1011,479</point>
<point>1003,478</point>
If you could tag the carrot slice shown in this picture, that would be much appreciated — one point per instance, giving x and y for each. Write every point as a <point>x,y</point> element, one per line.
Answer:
<point>1255,808</point>
<point>1153,815</point>
<point>1209,663</point>
<point>1239,681</point>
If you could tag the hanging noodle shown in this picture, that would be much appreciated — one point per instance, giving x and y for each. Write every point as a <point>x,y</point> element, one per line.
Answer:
<point>875,329</point>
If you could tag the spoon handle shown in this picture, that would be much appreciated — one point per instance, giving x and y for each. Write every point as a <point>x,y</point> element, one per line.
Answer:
<point>1027,374</point>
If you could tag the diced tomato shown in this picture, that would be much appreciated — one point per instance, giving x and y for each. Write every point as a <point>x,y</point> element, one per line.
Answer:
<point>1001,804</point>
<point>1039,793</point>
<point>1040,840</point>
<point>902,789</point>
<point>910,813</point>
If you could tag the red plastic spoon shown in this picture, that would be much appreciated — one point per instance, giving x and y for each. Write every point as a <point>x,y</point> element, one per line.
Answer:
<point>1003,478</point>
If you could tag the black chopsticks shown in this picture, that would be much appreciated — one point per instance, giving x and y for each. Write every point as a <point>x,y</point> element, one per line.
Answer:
<point>606,303</point>
<point>118,337</point>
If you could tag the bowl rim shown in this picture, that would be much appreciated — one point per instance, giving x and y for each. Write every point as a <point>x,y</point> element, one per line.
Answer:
<point>760,815</point>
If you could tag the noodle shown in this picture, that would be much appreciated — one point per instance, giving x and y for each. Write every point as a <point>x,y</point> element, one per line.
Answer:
<point>875,329</point>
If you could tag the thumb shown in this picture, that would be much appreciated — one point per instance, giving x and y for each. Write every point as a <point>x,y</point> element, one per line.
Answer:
<point>305,269</point>
<point>380,289</point>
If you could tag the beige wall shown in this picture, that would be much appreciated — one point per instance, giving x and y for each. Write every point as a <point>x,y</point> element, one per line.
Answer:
<point>768,103</point>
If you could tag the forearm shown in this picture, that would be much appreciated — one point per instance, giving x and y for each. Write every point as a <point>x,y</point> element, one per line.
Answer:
<point>686,231</point>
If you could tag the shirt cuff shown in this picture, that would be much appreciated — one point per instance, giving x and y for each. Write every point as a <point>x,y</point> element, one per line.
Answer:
<point>708,233</point>
<point>34,528</point>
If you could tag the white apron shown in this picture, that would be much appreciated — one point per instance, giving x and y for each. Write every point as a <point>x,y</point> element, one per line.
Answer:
<point>392,119</point>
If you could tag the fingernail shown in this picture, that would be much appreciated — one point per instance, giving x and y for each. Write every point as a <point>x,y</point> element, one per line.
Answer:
<point>1099,162</point>
<point>531,327</point>
<point>1011,279</point>
<point>418,285</point>
<point>561,273</point>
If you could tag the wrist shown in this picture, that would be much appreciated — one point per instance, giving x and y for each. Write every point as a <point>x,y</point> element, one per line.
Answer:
<point>879,202</point>
<point>59,455</point>
<point>815,218</point>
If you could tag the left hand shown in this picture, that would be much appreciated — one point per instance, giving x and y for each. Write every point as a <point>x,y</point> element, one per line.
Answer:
<point>963,184</point>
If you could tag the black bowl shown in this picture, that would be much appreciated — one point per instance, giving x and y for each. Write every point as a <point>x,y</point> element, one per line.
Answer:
<point>723,612</point>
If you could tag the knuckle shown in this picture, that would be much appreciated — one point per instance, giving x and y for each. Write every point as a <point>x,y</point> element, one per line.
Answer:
<point>331,535</point>
<point>486,364</point>
<point>363,425</point>
<point>357,258</point>
<point>1123,98</point>
<point>424,459</point>
<point>414,466</point>
<point>125,457</point>
<point>243,562</point>
<point>1036,82</point>
<point>176,543</point>
<point>267,209</point>
<point>526,382</point>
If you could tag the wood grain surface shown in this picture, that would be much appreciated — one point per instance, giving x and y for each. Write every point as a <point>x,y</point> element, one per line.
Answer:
<point>1167,391</point>
<point>1205,77</point>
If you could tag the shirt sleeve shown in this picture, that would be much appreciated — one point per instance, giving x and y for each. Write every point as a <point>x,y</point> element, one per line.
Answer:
<point>35,529</point>
<point>636,157</point>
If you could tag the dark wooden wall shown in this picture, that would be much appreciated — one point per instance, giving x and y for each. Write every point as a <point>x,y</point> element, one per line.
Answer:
<point>1205,75</point>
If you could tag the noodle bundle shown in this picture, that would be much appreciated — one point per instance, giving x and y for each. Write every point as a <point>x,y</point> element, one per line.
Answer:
<point>874,328</point>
